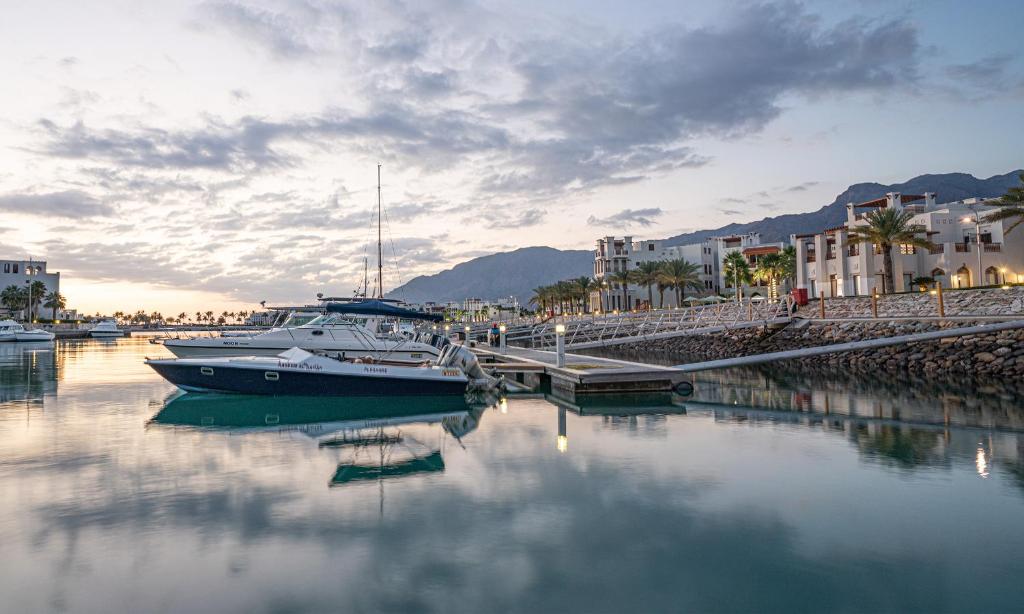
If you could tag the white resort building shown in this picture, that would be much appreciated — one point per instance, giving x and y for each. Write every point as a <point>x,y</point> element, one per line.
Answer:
<point>827,262</point>
<point>21,273</point>
<point>615,255</point>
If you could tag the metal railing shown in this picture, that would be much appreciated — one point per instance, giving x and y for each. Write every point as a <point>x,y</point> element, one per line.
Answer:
<point>592,330</point>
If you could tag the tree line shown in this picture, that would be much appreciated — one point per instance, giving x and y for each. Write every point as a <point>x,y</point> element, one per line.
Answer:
<point>17,298</point>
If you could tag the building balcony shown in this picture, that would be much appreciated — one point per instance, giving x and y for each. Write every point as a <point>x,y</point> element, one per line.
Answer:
<point>811,257</point>
<point>963,248</point>
<point>993,247</point>
<point>937,249</point>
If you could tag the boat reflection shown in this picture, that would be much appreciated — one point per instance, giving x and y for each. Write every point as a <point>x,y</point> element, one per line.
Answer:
<point>371,434</point>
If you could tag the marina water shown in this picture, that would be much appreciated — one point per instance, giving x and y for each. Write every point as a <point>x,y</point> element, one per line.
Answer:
<point>759,493</point>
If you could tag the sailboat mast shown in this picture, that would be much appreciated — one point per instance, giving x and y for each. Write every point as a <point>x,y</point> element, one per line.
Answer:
<point>380,250</point>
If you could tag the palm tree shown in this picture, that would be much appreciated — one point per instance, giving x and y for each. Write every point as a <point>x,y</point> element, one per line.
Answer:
<point>624,278</point>
<point>13,297</point>
<point>736,270</point>
<point>36,295</point>
<point>771,268</point>
<point>647,275</point>
<point>886,228</point>
<point>55,301</point>
<point>680,275</point>
<point>583,287</point>
<point>661,293</point>
<point>788,264</point>
<point>1011,205</point>
<point>181,317</point>
<point>540,297</point>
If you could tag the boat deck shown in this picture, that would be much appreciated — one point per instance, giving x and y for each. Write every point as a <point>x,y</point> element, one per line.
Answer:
<point>582,374</point>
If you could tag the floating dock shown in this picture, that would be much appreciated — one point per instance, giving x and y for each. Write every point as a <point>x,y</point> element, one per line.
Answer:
<point>581,374</point>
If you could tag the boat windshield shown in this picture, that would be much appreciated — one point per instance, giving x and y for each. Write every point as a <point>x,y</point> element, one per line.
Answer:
<point>335,319</point>
<point>300,319</point>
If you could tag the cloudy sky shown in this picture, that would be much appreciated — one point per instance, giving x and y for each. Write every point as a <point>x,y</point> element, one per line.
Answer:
<point>179,155</point>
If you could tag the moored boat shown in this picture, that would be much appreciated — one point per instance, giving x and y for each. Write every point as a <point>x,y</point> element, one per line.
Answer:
<point>344,329</point>
<point>14,331</point>
<point>106,329</point>
<point>297,372</point>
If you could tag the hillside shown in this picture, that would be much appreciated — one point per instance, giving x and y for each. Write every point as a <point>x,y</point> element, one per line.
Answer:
<point>513,273</point>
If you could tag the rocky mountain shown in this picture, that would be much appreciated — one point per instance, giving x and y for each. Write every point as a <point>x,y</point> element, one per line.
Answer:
<point>948,186</point>
<point>517,272</point>
<point>513,273</point>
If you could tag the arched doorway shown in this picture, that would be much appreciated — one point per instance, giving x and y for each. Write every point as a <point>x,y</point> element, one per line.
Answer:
<point>962,278</point>
<point>940,277</point>
<point>991,276</point>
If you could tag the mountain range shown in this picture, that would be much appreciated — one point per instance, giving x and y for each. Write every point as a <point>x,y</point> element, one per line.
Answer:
<point>517,272</point>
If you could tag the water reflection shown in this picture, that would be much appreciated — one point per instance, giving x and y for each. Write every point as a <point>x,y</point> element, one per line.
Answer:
<point>120,498</point>
<point>28,371</point>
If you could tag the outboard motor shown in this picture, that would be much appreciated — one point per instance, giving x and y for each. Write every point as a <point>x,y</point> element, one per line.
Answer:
<point>463,358</point>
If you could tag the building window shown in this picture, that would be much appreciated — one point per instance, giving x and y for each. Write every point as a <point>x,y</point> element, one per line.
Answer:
<point>907,250</point>
<point>15,267</point>
<point>7,267</point>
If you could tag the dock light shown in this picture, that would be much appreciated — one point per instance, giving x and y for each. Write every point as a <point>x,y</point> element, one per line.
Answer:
<point>501,338</point>
<point>560,345</point>
<point>502,328</point>
<point>503,405</point>
<point>434,327</point>
<point>563,443</point>
<point>933,292</point>
<point>1006,286</point>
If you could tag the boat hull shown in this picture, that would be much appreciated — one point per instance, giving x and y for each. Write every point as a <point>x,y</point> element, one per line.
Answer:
<point>37,336</point>
<point>227,378</point>
<point>193,350</point>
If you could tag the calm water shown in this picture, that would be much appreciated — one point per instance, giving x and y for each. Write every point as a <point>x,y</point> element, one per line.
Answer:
<point>118,496</point>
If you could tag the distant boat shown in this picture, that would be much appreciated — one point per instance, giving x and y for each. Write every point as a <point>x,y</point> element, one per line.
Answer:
<point>14,331</point>
<point>106,329</point>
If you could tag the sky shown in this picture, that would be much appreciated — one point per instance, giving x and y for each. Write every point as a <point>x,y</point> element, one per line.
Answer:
<point>177,156</point>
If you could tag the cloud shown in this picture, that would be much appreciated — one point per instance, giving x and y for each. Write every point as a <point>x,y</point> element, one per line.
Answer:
<point>278,32</point>
<point>988,72</point>
<point>803,186</point>
<point>68,204</point>
<point>627,217</point>
<point>522,219</point>
<point>730,212</point>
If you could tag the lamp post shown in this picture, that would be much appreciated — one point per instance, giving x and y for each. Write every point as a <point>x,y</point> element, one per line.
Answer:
<point>977,236</point>
<point>560,345</point>
<point>501,338</point>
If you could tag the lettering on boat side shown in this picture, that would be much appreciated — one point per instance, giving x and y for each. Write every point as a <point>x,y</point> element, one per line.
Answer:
<point>450,372</point>
<point>299,365</point>
<point>382,370</point>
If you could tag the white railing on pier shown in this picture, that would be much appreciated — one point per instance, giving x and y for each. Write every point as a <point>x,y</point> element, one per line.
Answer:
<point>595,331</point>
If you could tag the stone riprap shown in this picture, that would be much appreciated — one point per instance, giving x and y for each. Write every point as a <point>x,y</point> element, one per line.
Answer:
<point>1000,353</point>
<point>985,302</point>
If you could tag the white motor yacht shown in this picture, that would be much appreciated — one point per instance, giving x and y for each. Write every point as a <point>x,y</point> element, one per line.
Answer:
<point>106,329</point>
<point>345,333</point>
<point>14,331</point>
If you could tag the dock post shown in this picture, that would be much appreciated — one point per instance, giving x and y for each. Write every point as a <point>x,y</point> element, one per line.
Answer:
<point>750,311</point>
<point>874,303</point>
<point>468,329</point>
<point>501,338</point>
<point>560,345</point>
<point>821,304</point>
<point>938,295</point>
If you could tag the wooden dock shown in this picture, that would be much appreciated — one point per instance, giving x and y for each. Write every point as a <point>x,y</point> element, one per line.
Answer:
<point>581,374</point>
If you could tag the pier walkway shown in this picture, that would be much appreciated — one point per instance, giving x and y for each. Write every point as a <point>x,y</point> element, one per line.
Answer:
<point>581,374</point>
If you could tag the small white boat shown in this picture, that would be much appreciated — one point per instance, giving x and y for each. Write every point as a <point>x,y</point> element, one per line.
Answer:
<point>106,330</point>
<point>14,331</point>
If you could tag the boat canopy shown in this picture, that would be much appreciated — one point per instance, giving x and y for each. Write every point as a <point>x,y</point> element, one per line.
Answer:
<point>380,308</point>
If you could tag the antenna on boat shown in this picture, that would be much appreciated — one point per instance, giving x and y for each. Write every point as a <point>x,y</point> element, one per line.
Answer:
<point>380,250</point>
